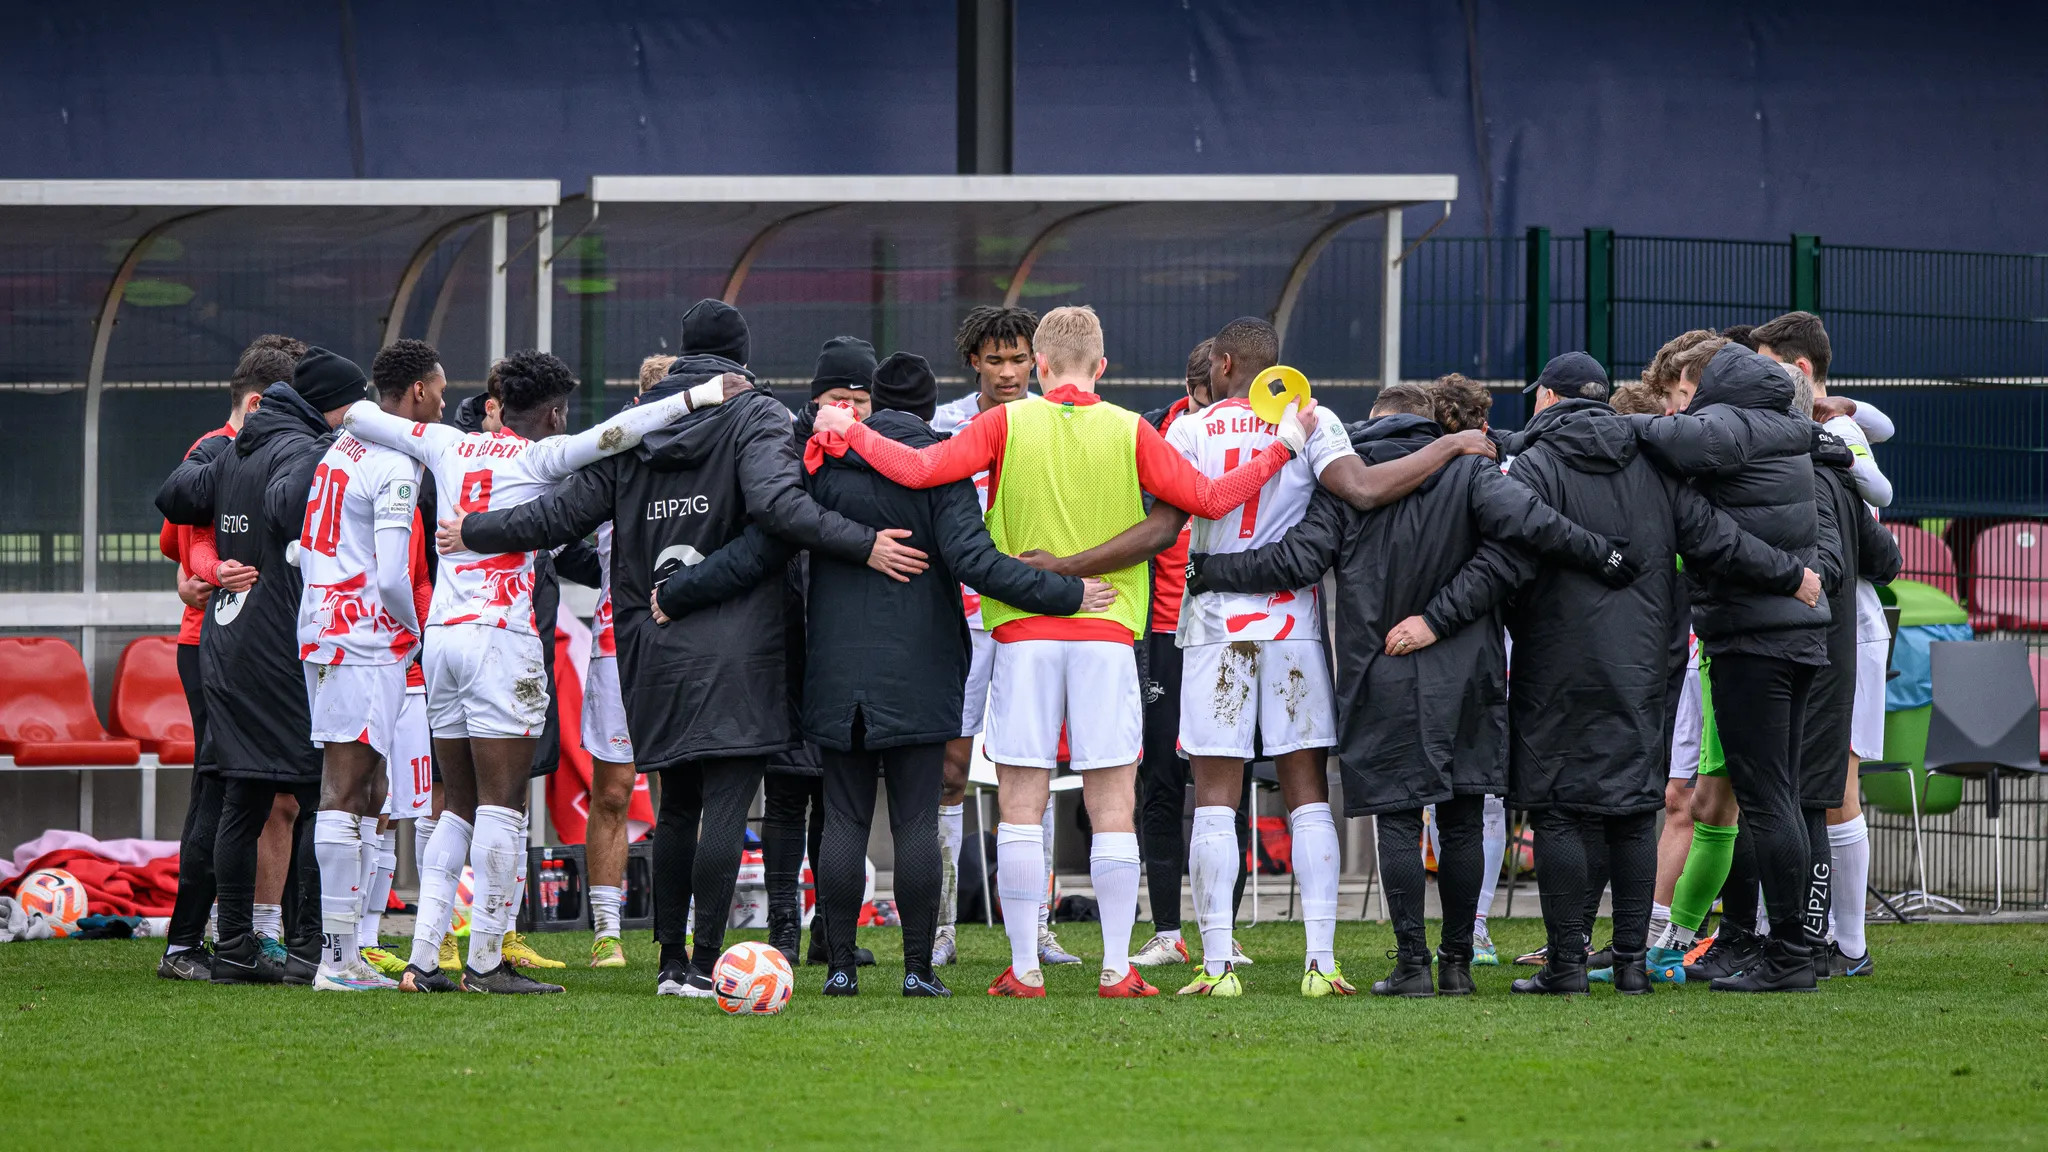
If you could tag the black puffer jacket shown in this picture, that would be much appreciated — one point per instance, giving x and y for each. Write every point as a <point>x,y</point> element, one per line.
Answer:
<point>893,653</point>
<point>1744,450</point>
<point>1587,713</point>
<point>1417,729</point>
<point>258,722</point>
<point>714,685</point>
<point>1865,550</point>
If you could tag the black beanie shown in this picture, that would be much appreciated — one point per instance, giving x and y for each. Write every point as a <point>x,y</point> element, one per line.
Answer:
<point>328,381</point>
<point>904,383</point>
<point>844,362</point>
<point>715,328</point>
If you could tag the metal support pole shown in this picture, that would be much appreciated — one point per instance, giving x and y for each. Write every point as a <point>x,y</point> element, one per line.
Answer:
<point>544,280</point>
<point>1805,272</point>
<point>85,801</point>
<point>148,820</point>
<point>1390,302</point>
<point>495,344</point>
<point>985,31</point>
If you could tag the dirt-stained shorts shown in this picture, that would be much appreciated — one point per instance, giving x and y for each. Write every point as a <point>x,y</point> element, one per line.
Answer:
<point>484,681</point>
<point>1279,689</point>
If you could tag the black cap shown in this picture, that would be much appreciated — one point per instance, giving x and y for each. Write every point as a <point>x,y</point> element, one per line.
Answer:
<point>904,383</point>
<point>469,415</point>
<point>715,328</point>
<point>328,381</point>
<point>844,362</point>
<point>1569,375</point>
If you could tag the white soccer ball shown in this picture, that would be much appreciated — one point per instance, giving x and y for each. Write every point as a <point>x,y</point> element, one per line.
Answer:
<point>52,897</point>
<point>752,979</point>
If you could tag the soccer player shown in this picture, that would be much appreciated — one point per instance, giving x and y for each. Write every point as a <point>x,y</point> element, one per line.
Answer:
<point>1069,473</point>
<point>486,690</point>
<point>357,631</point>
<point>995,343</point>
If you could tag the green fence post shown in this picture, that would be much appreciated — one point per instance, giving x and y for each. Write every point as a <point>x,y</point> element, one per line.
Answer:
<point>1805,272</point>
<point>593,288</point>
<point>1600,295</point>
<point>1536,304</point>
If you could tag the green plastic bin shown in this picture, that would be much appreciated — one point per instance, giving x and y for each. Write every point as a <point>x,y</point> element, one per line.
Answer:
<point>1905,731</point>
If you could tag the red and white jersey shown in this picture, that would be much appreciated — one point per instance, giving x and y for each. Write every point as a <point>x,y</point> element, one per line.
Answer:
<point>602,643</point>
<point>358,489</point>
<point>950,418</point>
<point>1215,440</point>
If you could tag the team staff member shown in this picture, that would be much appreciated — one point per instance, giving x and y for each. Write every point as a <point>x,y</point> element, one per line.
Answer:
<point>1418,726</point>
<point>258,720</point>
<point>200,571</point>
<point>876,648</point>
<point>706,698</point>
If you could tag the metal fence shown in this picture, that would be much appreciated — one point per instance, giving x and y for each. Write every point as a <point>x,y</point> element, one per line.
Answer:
<point>1964,860</point>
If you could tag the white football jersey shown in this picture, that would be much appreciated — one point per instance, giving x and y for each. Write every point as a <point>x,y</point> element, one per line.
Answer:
<point>1223,436</point>
<point>488,471</point>
<point>358,488</point>
<point>602,642</point>
<point>951,418</point>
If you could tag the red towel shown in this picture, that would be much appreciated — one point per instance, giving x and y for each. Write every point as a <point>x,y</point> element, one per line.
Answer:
<point>113,889</point>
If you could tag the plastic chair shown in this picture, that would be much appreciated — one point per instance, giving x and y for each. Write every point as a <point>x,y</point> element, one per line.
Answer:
<point>149,700</point>
<point>1986,720</point>
<point>2040,666</point>
<point>46,714</point>
<point>2009,578</point>
<point>1927,559</point>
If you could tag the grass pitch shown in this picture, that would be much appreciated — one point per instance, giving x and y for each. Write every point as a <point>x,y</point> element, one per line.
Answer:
<point>1947,1046</point>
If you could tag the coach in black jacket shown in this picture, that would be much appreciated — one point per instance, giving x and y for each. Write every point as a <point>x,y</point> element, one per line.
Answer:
<point>258,719</point>
<point>887,660</point>
<point>1588,712</point>
<point>1744,450</point>
<point>1424,727</point>
<point>706,699</point>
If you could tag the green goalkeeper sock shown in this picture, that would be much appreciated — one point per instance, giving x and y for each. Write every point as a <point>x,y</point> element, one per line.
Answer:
<point>1706,869</point>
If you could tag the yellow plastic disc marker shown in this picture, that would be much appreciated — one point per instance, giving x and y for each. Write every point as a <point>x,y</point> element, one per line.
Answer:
<point>1268,405</point>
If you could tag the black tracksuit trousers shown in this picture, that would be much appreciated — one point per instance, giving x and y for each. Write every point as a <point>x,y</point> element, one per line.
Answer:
<point>913,775</point>
<point>1163,778</point>
<point>698,838</point>
<point>202,820</point>
<point>244,809</point>
<point>1460,867</point>
<point>1761,704</point>
<point>1568,844</point>
<point>792,822</point>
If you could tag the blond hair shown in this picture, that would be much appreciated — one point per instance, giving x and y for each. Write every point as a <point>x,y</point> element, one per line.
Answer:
<point>653,369</point>
<point>1693,361</point>
<point>1070,339</point>
<point>1638,399</point>
<point>1661,374</point>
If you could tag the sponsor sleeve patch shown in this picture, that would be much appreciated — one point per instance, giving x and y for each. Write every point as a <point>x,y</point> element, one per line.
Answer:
<point>395,503</point>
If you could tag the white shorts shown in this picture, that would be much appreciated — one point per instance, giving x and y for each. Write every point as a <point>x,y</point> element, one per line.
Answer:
<point>1866,719</point>
<point>356,703</point>
<point>1090,685</point>
<point>604,713</point>
<point>1279,689</point>
<point>982,657</point>
<point>1687,728</point>
<point>411,790</point>
<point>484,682</point>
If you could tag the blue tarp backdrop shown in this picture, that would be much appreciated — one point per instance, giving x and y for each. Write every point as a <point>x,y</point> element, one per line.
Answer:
<point>1871,123</point>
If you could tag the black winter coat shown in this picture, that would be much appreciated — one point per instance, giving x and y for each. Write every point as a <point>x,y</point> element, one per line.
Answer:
<point>714,685</point>
<point>1421,728</point>
<point>576,563</point>
<point>1862,549</point>
<point>892,654</point>
<point>1744,450</point>
<point>1588,709</point>
<point>258,721</point>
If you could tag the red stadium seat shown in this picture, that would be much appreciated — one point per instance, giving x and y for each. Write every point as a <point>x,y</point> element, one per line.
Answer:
<point>149,700</point>
<point>46,713</point>
<point>1927,559</point>
<point>2009,578</point>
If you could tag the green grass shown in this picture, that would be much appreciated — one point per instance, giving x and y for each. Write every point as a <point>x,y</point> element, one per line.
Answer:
<point>1946,1047</point>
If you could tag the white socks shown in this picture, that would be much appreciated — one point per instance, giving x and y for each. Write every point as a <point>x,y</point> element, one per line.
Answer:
<point>952,830</point>
<point>495,851</point>
<point>604,909</point>
<point>1493,845</point>
<point>268,920</point>
<point>1315,869</point>
<point>1045,901</point>
<point>422,831</point>
<point>1660,919</point>
<point>338,848</point>
<point>1213,861</point>
<point>1851,845</point>
<point>381,849</point>
<point>1113,866</point>
<point>1020,884</point>
<point>440,871</point>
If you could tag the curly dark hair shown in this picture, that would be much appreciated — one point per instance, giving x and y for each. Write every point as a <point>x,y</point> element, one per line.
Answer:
<point>528,380</point>
<point>998,326</point>
<point>1251,343</point>
<point>267,360</point>
<point>397,368</point>
<point>1461,403</point>
<point>1743,334</point>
